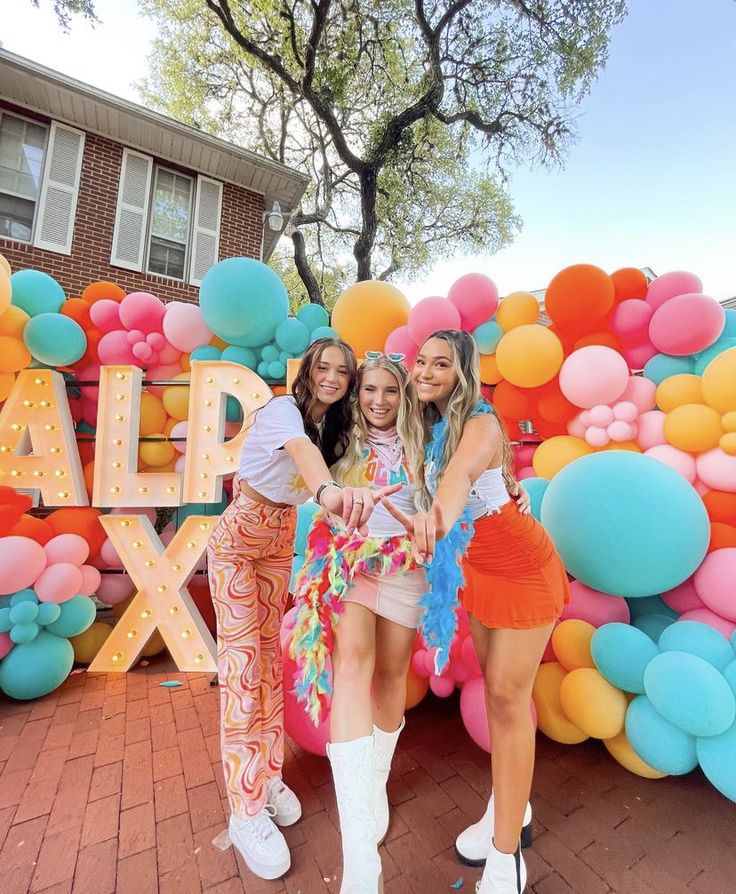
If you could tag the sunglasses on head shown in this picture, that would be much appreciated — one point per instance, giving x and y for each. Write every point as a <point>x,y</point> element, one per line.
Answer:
<point>392,355</point>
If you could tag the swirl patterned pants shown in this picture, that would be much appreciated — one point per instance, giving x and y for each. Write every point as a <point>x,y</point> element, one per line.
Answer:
<point>250,555</point>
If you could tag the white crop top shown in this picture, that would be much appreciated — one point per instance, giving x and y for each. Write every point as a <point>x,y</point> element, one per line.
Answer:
<point>264,464</point>
<point>488,494</point>
<point>382,523</point>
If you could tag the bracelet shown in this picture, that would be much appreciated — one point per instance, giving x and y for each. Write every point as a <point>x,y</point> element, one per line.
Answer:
<point>323,487</point>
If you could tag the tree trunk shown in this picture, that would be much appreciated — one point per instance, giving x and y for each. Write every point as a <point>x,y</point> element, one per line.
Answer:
<point>363,248</point>
<point>304,270</point>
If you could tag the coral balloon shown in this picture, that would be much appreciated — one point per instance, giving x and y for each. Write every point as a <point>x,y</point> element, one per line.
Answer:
<point>367,312</point>
<point>512,402</point>
<point>21,562</point>
<point>579,295</point>
<point>686,324</point>
<point>476,298</point>
<point>529,356</point>
<point>78,310</point>
<point>58,583</point>
<point>594,375</point>
<point>67,548</point>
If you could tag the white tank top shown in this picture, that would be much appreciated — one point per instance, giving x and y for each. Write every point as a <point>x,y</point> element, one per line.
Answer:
<point>488,494</point>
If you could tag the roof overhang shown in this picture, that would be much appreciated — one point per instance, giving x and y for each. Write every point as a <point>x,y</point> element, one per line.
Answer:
<point>32,86</point>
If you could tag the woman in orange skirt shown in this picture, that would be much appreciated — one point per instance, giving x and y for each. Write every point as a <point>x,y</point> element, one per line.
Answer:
<point>515,584</point>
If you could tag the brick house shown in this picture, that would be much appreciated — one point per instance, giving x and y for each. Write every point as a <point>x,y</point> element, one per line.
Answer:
<point>93,187</point>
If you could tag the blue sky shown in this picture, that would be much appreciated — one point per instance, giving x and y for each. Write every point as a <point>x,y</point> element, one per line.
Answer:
<point>650,181</point>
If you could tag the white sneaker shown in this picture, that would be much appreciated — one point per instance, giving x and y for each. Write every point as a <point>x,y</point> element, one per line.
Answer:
<point>261,845</point>
<point>284,802</point>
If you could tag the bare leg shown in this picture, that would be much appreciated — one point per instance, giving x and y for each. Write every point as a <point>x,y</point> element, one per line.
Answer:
<point>353,660</point>
<point>393,654</point>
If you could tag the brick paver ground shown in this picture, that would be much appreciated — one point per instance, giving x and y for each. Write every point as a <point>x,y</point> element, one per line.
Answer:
<point>113,784</point>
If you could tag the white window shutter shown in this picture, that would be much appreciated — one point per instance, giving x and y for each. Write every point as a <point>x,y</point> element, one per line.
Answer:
<point>206,241</point>
<point>60,189</point>
<point>131,217</point>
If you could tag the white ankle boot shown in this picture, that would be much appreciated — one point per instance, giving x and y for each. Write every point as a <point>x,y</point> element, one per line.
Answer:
<point>471,845</point>
<point>353,769</point>
<point>385,745</point>
<point>504,873</point>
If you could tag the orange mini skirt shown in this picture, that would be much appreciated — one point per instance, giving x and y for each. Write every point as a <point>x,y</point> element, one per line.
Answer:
<point>513,575</point>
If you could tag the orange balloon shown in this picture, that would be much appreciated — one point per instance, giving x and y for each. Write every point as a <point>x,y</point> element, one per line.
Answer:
<point>89,477</point>
<point>607,339</point>
<point>35,528</point>
<point>366,314</point>
<point>629,282</point>
<point>82,520</point>
<point>90,355</point>
<point>96,291</point>
<point>416,688</point>
<point>548,429</point>
<point>512,402</point>
<point>720,506</point>
<point>489,373</point>
<point>14,355</point>
<point>631,446</point>
<point>13,321</point>
<point>552,405</point>
<point>7,380</point>
<point>278,389</point>
<point>579,295</point>
<point>200,592</point>
<point>78,310</point>
<point>86,448</point>
<point>722,536</point>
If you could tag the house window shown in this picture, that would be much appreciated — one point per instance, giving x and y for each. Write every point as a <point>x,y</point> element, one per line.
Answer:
<point>170,224</point>
<point>22,149</point>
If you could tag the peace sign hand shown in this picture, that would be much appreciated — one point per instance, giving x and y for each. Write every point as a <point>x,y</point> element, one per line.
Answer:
<point>424,528</point>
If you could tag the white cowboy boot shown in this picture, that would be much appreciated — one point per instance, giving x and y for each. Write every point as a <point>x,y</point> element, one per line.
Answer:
<point>353,769</point>
<point>471,845</point>
<point>504,873</point>
<point>385,745</point>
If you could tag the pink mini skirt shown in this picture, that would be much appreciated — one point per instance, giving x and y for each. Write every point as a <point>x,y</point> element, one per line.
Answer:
<point>394,597</point>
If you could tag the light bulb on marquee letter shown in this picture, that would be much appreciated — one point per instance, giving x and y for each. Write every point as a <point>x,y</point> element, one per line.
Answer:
<point>36,417</point>
<point>117,481</point>
<point>208,458</point>
<point>162,601</point>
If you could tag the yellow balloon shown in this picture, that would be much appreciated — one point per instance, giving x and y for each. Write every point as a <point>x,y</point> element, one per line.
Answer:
<point>5,264</point>
<point>88,644</point>
<point>156,453</point>
<point>593,704</point>
<point>154,645</point>
<point>551,718</point>
<point>678,390</point>
<point>571,644</point>
<point>694,428</point>
<point>366,313</point>
<point>631,446</point>
<point>175,399</point>
<point>14,355</point>
<point>728,421</point>
<point>153,415</point>
<point>217,342</point>
<point>6,290</point>
<point>557,452</point>
<point>719,381</point>
<point>517,309</point>
<point>620,749</point>
<point>728,443</point>
<point>185,362</point>
<point>7,380</point>
<point>489,373</point>
<point>13,322</point>
<point>529,356</point>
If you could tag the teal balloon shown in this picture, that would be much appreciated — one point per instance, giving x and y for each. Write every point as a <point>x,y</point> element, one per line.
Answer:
<point>296,567</point>
<point>26,595</point>
<point>323,332</point>
<point>536,488</point>
<point>200,509</point>
<point>621,653</point>
<point>269,353</point>
<point>5,623</point>
<point>649,605</point>
<point>276,370</point>
<point>487,336</point>
<point>204,353</point>
<point>619,538</point>
<point>233,409</point>
<point>76,615</point>
<point>662,366</point>
<point>54,339</point>
<point>36,292</point>
<point>653,625</point>
<point>34,669</point>
<point>717,757</point>
<point>243,356</point>
<point>284,356</point>
<point>729,330</point>
<point>702,360</point>
<point>690,693</point>
<point>86,429</point>
<point>292,335</point>
<point>657,742</point>
<point>24,633</point>
<point>698,639</point>
<point>24,612</point>
<point>263,369</point>
<point>243,301</point>
<point>48,612</point>
<point>304,518</point>
<point>313,316</point>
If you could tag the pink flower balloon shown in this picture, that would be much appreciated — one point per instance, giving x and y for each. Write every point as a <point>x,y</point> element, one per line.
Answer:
<point>67,548</point>
<point>168,355</point>
<point>576,428</point>
<point>430,315</point>
<point>686,324</point>
<point>135,335</point>
<point>668,285</point>
<point>142,310</point>
<point>22,560</point>
<point>601,415</point>
<point>626,411</point>
<point>184,326</point>
<point>58,583</point>
<point>156,340</point>
<point>619,431</point>
<point>597,436</point>
<point>142,351</point>
<point>114,348</point>
<point>593,375</point>
<point>476,298</point>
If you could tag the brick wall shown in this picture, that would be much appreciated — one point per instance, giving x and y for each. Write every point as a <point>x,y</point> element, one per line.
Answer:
<point>240,231</point>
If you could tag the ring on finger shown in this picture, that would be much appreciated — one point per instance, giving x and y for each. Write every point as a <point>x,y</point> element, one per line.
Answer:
<point>359,501</point>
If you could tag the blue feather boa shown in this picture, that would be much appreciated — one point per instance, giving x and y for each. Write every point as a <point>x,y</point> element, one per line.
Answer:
<point>444,573</point>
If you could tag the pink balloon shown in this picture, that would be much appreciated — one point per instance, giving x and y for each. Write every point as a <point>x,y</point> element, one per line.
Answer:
<point>148,511</point>
<point>619,431</point>
<point>474,714</point>
<point>706,616</point>
<point>601,415</point>
<point>626,411</point>
<point>90,374</point>
<point>22,560</point>
<point>630,319</point>
<point>179,431</point>
<point>593,375</point>
<point>156,340</point>
<point>114,348</point>
<point>651,429</point>
<point>109,554</point>
<point>638,355</point>
<point>595,607</point>
<point>184,326</point>
<point>668,285</point>
<point>89,412</point>
<point>526,472</point>
<point>525,453</point>
<point>135,335</point>
<point>430,315</point>
<point>596,436</point>
<point>470,658</point>
<point>167,535</point>
<point>715,582</point>
<point>417,662</point>
<point>296,720</point>
<point>575,427</point>
<point>429,661</point>
<point>459,673</point>
<point>681,462</point>
<point>6,644</point>
<point>683,598</point>
<point>142,310</point>
<point>169,356</point>
<point>179,464</point>
<point>67,548</point>
<point>641,392</point>
<point>105,315</point>
<point>114,588</point>
<point>686,324</point>
<point>142,351</point>
<point>476,298</point>
<point>441,686</point>
<point>700,487</point>
<point>399,342</point>
<point>58,583</point>
<point>717,470</point>
<point>75,408</point>
<point>91,578</point>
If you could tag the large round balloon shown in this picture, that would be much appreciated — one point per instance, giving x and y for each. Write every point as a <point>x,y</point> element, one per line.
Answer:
<point>243,301</point>
<point>517,309</point>
<point>476,297</point>
<point>624,523</point>
<point>366,313</point>
<point>593,375</point>
<point>54,339</point>
<point>529,356</point>
<point>686,324</point>
<point>36,292</point>
<point>579,295</point>
<point>36,668</point>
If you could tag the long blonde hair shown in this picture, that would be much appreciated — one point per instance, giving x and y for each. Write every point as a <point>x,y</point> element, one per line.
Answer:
<point>350,468</point>
<point>460,405</point>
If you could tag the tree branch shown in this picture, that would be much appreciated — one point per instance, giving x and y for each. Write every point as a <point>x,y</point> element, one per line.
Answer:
<point>304,270</point>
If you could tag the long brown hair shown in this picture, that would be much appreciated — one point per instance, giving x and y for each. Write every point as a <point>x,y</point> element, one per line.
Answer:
<point>460,405</point>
